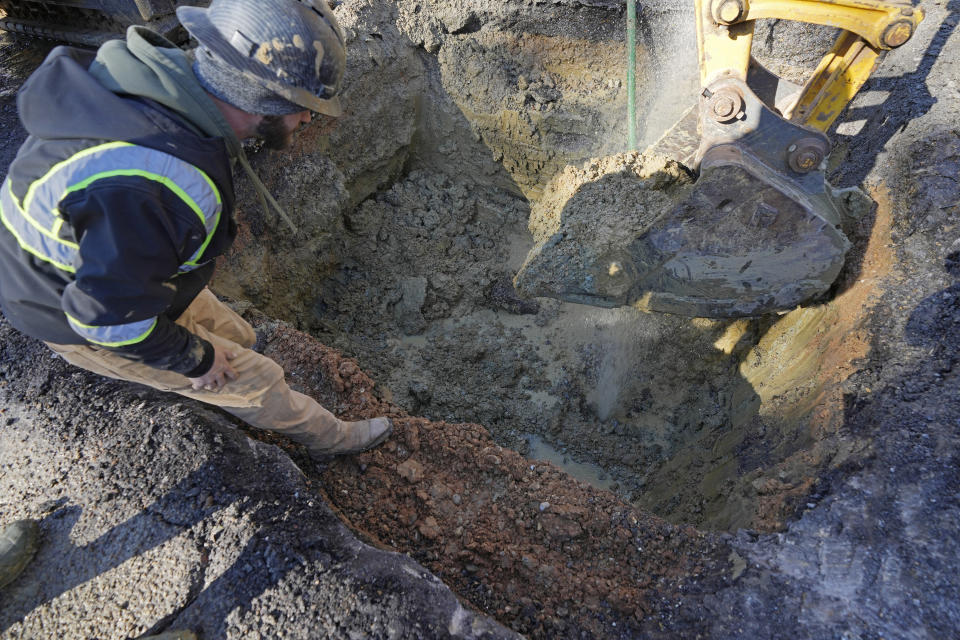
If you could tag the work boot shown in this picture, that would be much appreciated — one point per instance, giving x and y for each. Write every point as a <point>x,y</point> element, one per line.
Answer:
<point>354,437</point>
<point>18,543</point>
<point>173,635</point>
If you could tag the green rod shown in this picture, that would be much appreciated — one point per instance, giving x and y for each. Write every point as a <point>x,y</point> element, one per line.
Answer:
<point>632,75</point>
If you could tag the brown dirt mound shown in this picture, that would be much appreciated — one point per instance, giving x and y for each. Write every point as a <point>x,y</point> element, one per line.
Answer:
<point>518,539</point>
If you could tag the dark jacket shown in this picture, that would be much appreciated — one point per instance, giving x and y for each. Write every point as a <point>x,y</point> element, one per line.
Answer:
<point>116,204</point>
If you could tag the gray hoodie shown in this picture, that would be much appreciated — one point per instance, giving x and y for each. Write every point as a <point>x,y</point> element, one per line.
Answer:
<point>149,65</point>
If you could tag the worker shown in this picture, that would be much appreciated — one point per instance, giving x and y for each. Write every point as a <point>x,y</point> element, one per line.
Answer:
<point>121,198</point>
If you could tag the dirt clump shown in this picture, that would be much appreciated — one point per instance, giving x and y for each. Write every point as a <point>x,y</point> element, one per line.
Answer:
<point>586,221</point>
<point>637,190</point>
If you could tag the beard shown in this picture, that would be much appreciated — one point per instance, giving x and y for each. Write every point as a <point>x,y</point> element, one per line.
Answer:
<point>274,133</point>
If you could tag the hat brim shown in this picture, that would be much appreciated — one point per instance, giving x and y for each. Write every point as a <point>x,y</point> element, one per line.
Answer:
<point>196,21</point>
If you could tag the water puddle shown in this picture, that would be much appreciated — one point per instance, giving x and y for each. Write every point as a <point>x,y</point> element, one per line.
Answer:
<point>587,473</point>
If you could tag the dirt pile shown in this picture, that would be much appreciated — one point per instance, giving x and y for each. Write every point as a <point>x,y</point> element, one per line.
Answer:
<point>519,540</point>
<point>587,222</point>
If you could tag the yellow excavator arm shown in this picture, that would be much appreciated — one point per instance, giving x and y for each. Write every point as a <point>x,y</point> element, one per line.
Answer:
<point>725,36</point>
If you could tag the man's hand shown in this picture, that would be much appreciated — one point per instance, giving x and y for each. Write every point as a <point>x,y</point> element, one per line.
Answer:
<point>220,372</point>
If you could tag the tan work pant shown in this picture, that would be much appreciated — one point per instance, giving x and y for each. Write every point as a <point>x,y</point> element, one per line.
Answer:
<point>259,395</point>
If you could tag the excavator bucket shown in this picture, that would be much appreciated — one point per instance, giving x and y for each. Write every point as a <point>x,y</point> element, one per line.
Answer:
<point>730,213</point>
<point>733,243</point>
<point>740,239</point>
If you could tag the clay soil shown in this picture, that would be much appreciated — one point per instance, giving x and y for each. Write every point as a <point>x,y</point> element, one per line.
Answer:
<point>517,539</point>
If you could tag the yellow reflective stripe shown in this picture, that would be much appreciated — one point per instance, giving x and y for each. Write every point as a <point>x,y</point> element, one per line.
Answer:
<point>216,221</point>
<point>28,199</point>
<point>45,193</point>
<point>36,225</point>
<point>165,181</point>
<point>28,248</point>
<point>122,343</point>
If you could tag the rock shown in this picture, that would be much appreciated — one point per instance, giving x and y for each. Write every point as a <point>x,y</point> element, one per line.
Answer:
<point>504,296</point>
<point>422,394</point>
<point>560,528</point>
<point>411,470</point>
<point>429,528</point>
<point>409,310</point>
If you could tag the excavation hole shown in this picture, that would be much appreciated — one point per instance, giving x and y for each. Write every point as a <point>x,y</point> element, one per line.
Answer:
<point>719,424</point>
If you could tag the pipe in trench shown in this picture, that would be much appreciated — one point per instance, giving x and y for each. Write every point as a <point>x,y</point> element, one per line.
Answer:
<point>631,75</point>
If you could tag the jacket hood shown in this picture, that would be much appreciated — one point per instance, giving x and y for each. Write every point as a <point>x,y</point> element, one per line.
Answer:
<point>148,65</point>
<point>58,99</point>
<point>76,95</point>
